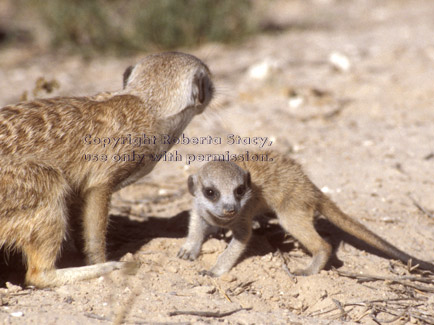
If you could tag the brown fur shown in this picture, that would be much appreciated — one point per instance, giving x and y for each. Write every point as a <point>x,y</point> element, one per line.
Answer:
<point>278,186</point>
<point>45,181</point>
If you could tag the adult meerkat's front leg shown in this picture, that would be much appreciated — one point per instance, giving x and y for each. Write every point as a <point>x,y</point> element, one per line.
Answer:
<point>95,219</point>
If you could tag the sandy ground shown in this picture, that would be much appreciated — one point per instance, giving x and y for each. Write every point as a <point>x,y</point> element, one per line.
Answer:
<point>363,129</point>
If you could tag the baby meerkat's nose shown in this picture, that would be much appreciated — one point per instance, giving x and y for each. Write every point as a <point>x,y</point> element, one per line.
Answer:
<point>229,210</point>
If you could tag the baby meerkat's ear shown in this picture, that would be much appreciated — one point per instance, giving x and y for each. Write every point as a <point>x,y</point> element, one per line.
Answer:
<point>192,184</point>
<point>127,74</point>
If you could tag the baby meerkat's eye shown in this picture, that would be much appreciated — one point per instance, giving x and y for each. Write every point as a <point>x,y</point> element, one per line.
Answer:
<point>209,192</point>
<point>240,190</point>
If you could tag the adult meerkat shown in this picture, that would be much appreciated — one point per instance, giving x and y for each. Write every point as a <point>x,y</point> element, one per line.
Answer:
<point>228,194</point>
<point>45,182</point>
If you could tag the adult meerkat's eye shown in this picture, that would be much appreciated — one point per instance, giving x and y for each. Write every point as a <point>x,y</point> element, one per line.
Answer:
<point>240,190</point>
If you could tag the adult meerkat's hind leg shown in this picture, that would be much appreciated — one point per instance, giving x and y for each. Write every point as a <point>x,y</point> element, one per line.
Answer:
<point>299,223</point>
<point>43,244</point>
<point>33,218</point>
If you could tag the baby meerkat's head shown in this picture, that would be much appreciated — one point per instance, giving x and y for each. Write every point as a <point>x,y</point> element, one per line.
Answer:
<point>221,190</point>
<point>170,82</point>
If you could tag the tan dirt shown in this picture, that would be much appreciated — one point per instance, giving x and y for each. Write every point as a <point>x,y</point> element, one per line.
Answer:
<point>364,134</point>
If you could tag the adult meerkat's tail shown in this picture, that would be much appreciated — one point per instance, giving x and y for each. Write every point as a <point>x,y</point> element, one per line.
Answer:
<point>340,219</point>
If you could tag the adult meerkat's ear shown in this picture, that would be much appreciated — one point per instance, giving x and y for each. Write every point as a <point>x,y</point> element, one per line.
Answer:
<point>200,88</point>
<point>192,179</point>
<point>127,74</point>
<point>248,179</point>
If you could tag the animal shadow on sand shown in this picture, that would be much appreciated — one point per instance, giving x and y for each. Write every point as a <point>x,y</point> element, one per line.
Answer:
<point>271,237</point>
<point>126,235</point>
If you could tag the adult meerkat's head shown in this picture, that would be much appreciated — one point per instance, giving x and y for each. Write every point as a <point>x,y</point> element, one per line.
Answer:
<point>221,190</point>
<point>170,82</point>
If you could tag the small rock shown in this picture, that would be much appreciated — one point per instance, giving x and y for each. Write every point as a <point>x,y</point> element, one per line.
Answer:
<point>172,268</point>
<point>68,300</point>
<point>339,61</point>
<point>295,102</point>
<point>128,257</point>
<point>162,191</point>
<point>263,69</point>
<point>228,277</point>
<point>204,290</point>
<point>17,314</point>
<point>326,189</point>
<point>12,288</point>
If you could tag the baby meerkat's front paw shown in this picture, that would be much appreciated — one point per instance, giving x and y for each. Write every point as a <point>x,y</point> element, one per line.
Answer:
<point>209,273</point>
<point>188,253</point>
<point>301,272</point>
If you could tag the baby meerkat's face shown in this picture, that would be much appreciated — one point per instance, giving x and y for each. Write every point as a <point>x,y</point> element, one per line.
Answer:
<point>221,190</point>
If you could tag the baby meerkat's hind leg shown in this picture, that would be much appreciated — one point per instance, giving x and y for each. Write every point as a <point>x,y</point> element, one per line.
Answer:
<point>300,225</point>
<point>356,229</point>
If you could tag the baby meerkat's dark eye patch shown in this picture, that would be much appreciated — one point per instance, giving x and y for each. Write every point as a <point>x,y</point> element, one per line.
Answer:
<point>240,190</point>
<point>211,193</point>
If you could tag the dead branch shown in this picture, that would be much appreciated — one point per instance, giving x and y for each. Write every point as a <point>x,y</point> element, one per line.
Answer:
<point>214,314</point>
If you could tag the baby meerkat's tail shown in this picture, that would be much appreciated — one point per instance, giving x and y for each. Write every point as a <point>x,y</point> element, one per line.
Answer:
<point>340,219</point>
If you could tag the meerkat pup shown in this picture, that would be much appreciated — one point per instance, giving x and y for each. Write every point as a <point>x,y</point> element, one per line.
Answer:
<point>47,182</point>
<point>228,194</point>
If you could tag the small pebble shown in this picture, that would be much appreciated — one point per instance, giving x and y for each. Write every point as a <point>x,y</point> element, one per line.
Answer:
<point>162,191</point>
<point>17,314</point>
<point>12,288</point>
<point>263,69</point>
<point>339,61</point>
<point>228,277</point>
<point>204,290</point>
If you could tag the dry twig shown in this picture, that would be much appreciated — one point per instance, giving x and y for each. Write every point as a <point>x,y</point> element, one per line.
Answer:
<point>421,208</point>
<point>215,314</point>
<point>404,280</point>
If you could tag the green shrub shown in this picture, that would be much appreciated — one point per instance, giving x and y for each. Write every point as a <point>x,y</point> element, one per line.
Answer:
<point>122,26</point>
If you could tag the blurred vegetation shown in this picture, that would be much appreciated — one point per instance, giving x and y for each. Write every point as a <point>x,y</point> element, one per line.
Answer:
<point>122,27</point>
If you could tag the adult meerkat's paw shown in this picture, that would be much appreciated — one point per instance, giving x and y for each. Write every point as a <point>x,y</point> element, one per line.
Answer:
<point>130,267</point>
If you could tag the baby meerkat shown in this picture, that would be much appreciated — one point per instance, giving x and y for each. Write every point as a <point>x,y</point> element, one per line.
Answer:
<point>228,194</point>
<point>46,184</point>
